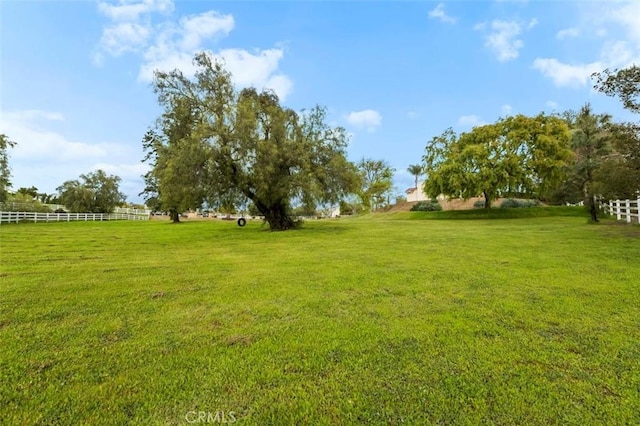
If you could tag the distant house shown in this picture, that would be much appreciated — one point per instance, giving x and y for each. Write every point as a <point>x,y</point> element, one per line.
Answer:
<point>416,194</point>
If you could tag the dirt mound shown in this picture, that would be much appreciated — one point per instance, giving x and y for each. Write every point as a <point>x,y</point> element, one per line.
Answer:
<point>453,204</point>
<point>401,207</point>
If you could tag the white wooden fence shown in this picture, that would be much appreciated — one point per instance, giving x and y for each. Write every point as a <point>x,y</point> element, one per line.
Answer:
<point>628,210</point>
<point>15,217</point>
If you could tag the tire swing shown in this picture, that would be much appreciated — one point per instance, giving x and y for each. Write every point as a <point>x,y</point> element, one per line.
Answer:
<point>242,222</point>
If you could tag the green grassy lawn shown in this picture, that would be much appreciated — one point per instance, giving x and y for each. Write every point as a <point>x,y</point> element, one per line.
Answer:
<point>375,320</point>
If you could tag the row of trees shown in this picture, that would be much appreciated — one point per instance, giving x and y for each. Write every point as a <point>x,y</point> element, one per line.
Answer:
<point>556,158</point>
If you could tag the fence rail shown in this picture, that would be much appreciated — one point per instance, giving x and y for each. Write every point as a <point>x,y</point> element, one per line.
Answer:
<point>15,217</point>
<point>624,209</point>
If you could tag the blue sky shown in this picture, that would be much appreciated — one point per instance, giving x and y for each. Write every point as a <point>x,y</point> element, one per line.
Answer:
<point>75,75</point>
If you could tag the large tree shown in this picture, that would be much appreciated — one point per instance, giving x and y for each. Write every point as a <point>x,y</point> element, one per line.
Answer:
<point>516,156</point>
<point>591,144</point>
<point>242,145</point>
<point>5,171</point>
<point>95,192</point>
<point>620,177</point>
<point>376,178</point>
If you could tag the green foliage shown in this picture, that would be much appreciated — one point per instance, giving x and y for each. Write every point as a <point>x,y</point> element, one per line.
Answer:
<point>426,206</point>
<point>376,183</point>
<point>400,199</point>
<point>619,174</point>
<point>416,171</point>
<point>30,192</point>
<point>253,210</point>
<point>491,214</point>
<point>623,83</point>
<point>346,209</point>
<point>20,202</point>
<point>304,211</point>
<point>606,160</point>
<point>5,170</point>
<point>216,144</point>
<point>95,192</point>
<point>510,203</point>
<point>516,155</point>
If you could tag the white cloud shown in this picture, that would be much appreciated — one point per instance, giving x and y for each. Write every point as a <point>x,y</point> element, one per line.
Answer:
<point>195,29</point>
<point>567,75</point>
<point>125,10</point>
<point>506,109</point>
<point>553,105</point>
<point>45,158</point>
<point>439,13</point>
<point>614,54</point>
<point>628,16</point>
<point>36,142</point>
<point>502,38</point>
<point>567,33</point>
<point>618,24</point>
<point>172,45</point>
<point>128,172</point>
<point>413,115</point>
<point>470,121</point>
<point>124,37</point>
<point>258,69</point>
<point>367,119</point>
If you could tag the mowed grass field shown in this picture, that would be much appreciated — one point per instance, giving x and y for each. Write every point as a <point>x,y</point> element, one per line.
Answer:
<point>377,320</point>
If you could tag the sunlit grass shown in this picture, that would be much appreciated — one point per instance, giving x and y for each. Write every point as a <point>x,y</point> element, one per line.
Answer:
<point>369,320</point>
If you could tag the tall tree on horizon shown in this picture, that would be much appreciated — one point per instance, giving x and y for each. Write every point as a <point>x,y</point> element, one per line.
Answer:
<point>5,170</point>
<point>416,171</point>
<point>517,155</point>
<point>242,145</point>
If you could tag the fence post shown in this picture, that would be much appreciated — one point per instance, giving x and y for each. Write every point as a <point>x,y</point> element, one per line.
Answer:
<point>617,204</point>
<point>638,208</point>
<point>628,210</point>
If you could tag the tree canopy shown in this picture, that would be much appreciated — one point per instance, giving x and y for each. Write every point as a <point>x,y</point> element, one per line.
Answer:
<point>517,155</point>
<point>216,144</point>
<point>416,171</point>
<point>623,83</point>
<point>591,145</point>
<point>376,177</point>
<point>95,192</point>
<point>621,176</point>
<point>5,170</point>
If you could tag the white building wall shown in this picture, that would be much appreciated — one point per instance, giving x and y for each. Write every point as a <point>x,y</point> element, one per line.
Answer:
<point>417,194</point>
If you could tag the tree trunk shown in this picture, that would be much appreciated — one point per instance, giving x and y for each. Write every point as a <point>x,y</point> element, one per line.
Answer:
<point>593,210</point>
<point>174,215</point>
<point>276,215</point>
<point>487,200</point>
<point>278,218</point>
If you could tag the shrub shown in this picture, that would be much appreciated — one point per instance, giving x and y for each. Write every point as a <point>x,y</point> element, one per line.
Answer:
<point>426,206</point>
<point>478,204</point>
<point>510,203</point>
